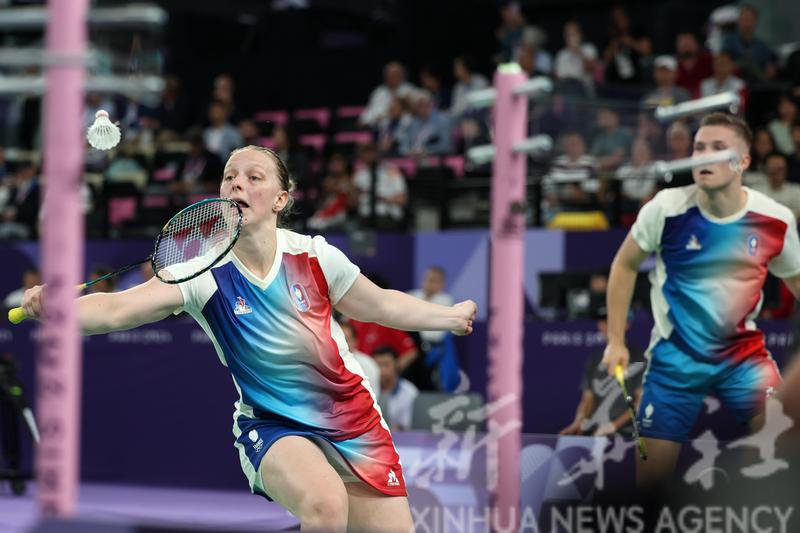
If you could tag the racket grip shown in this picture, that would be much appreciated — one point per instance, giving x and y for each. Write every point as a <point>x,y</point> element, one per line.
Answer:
<point>619,373</point>
<point>16,315</point>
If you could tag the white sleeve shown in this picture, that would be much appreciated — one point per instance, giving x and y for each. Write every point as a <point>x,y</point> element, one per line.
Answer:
<point>649,225</point>
<point>340,273</point>
<point>787,263</point>
<point>195,291</point>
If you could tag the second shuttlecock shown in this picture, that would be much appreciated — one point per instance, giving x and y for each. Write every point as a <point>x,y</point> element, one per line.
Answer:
<point>103,134</point>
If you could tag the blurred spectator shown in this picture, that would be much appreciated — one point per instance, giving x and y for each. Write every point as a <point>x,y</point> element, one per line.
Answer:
<point>610,146</point>
<point>694,63</point>
<point>201,170</point>
<point>173,111</point>
<point>30,278</point>
<point>394,127</point>
<point>438,367</point>
<point>20,214</point>
<point>650,129</point>
<point>638,177</point>
<point>679,141</point>
<point>763,146</point>
<point>576,61</point>
<point>429,133</point>
<point>794,159</point>
<point>781,127</point>
<point>433,290</point>
<point>571,182</point>
<point>755,59</point>
<point>430,79</point>
<point>602,409</point>
<point>224,90</point>
<point>397,393</point>
<point>248,131</point>
<point>107,285</point>
<point>531,55</point>
<point>370,336</point>
<point>778,187</point>
<point>627,51</point>
<point>382,192</point>
<point>394,85</point>
<point>126,167</point>
<point>666,92</point>
<point>221,137</point>
<point>338,193</point>
<point>370,366</point>
<point>510,31</point>
<point>723,79</point>
<point>467,80</point>
<point>288,148</point>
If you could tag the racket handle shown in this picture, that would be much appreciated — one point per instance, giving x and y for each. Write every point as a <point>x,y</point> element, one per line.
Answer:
<point>16,315</point>
<point>619,373</point>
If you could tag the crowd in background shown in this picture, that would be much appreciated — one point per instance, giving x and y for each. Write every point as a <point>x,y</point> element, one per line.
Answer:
<point>375,165</point>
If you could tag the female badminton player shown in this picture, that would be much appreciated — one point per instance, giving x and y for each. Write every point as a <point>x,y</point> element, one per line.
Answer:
<point>309,432</point>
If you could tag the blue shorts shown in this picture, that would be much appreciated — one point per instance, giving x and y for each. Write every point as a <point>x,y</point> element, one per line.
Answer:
<point>676,384</point>
<point>370,457</point>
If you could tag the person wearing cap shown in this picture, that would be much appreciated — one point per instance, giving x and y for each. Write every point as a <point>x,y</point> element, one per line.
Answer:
<point>666,92</point>
<point>602,409</point>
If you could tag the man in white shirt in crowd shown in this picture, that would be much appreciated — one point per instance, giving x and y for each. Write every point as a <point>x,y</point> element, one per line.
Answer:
<point>777,187</point>
<point>397,394</point>
<point>433,290</point>
<point>394,85</point>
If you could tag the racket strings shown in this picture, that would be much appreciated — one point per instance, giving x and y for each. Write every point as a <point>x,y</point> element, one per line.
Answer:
<point>202,232</point>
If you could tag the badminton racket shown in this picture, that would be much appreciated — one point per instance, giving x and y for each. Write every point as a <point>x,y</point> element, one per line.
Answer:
<point>199,235</point>
<point>619,373</point>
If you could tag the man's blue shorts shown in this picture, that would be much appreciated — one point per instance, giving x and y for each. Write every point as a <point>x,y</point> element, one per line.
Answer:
<point>676,384</point>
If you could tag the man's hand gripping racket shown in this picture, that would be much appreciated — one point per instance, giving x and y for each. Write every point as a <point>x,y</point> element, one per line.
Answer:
<point>197,237</point>
<point>619,373</point>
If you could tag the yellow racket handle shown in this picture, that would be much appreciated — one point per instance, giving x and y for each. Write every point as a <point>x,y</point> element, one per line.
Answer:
<point>619,373</point>
<point>17,315</point>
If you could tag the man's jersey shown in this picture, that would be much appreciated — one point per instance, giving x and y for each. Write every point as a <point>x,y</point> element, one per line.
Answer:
<point>288,358</point>
<point>706,286</point>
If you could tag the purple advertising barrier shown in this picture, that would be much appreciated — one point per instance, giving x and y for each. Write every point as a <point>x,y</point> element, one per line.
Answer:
<point>506,292</point>
<point>59,365</point>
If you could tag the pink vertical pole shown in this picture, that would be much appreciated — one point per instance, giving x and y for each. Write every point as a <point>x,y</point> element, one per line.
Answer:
<point>506,304</point>
<point>59,364</point>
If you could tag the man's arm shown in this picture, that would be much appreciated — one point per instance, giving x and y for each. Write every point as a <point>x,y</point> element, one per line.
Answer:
<point>621,282</point>
<point>103,312</point>
<point>367,302</point>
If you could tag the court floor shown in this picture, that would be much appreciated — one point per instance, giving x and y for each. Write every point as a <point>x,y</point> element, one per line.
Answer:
<point>155,507</point>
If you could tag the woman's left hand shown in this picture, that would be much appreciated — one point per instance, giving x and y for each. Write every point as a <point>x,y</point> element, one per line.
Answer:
<point>465,314</point>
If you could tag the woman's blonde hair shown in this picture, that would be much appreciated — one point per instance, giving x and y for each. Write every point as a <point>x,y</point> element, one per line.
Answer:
<point>287,183</point>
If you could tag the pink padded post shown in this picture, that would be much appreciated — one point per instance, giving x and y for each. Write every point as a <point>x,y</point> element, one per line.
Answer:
<point>506,295</point>
<point>59,364</point>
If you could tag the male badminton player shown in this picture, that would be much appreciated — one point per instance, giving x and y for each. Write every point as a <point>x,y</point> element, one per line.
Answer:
<point>309,433</point>
<point>714,242</point>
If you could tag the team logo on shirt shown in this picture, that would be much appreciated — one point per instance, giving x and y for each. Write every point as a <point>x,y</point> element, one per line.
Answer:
<point>752,245</point>
<point>241,307</point>
<point>299,297</point>
<point>694,243</point>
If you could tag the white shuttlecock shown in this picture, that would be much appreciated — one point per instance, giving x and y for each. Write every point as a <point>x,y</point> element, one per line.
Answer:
<point>103,134</point>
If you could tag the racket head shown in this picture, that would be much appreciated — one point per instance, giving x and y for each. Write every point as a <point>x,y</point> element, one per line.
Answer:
<point>197,237</point>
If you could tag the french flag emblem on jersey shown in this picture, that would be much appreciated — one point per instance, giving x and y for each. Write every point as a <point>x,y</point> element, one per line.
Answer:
<point>752,245</point>
<point>300,298</point>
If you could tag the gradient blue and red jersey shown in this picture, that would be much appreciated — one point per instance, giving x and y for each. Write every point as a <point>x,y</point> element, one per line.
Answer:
<point>289,359</point>
<point>706,291</point>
